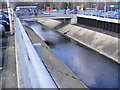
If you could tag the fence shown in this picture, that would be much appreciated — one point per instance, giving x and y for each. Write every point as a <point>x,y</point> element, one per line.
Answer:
<point>35,75</point>
<point>40,13</point>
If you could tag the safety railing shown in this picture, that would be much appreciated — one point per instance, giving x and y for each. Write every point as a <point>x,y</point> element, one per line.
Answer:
<point>23,14</point>
<point>35,75</point>
<point>97,13</point>
<point>26,14</point>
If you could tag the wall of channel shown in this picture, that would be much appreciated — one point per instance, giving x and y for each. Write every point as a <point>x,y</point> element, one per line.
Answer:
<point>102,43</point>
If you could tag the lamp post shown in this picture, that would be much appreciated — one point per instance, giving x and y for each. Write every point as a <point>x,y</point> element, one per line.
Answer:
<point>10,17</point>
<point>105,6</point>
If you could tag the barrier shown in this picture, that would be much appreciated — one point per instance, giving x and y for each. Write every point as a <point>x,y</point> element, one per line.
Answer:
<point>35,75</point>
<point>101,23</point>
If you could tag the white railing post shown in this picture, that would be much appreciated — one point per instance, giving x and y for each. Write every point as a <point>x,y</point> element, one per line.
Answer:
<point>10,17</point>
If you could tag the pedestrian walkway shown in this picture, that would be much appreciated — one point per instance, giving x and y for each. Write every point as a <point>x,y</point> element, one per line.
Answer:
<point>8,78</point>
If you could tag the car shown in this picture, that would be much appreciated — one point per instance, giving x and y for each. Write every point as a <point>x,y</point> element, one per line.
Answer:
<point>74,11</point>
<point>2,30</point>
<point>4,21</point>
<point>54,10</point>
<point>5,24</point>
<point>4,16</point>
<point>117,16</point>
<point>68,11</point>
<point>110,14</point>
<point>94,13</point>
<point>100,12</point>
<point>81,12</point>
<point>103,14</point>
<point>87,12</point>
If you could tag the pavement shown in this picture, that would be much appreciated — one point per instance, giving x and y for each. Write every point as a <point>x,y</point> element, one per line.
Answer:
<point>8,78</point>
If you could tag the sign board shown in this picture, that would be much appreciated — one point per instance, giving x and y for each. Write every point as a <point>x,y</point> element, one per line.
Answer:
<point>49,8</point>
<point>116,5</point>
<point>112,5</point>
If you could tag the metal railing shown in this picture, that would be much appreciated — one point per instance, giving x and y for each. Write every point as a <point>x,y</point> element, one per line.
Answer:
<point>97,13</point>
<point>39,13</point>
<point>35,75</point>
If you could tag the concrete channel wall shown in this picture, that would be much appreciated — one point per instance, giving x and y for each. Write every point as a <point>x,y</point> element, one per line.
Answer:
<point>102,43</point>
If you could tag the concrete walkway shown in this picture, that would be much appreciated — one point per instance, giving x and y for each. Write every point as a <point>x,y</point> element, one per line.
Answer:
<point>8,73</point>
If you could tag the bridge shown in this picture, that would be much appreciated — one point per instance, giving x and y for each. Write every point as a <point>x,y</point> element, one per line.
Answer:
<point>62,51</point>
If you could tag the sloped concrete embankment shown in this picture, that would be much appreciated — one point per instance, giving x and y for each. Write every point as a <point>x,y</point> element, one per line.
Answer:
<point>102,43</point>
<point>62,76</point>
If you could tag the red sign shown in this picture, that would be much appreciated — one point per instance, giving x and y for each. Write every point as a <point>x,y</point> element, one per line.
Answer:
<point>49,8</point>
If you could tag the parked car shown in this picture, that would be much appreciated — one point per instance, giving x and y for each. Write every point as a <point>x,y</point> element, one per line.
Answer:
<point>4,16</point>
<point>87,12</point>
<point>5,24</point>
<point>109,14</point>
<point>74,11</point>
<point>103,14</point>
<point>117,16</point>
<point>2,30</point>
<point>80,12</point>
<point>68,11</point>
<point>94,13</point>
<point>54,10</point>
<point>100,12</point>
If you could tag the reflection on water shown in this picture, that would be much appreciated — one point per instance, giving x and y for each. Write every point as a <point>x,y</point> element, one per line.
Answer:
<point>95,70</point>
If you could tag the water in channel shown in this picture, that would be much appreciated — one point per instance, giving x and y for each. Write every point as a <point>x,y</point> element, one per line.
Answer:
<point>92,68</point>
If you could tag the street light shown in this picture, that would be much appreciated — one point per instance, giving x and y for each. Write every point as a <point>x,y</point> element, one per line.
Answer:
<point>105,6</point>
<point>10,16</point>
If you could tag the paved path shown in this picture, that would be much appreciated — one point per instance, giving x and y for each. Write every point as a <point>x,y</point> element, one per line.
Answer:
<point>8,74</point>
